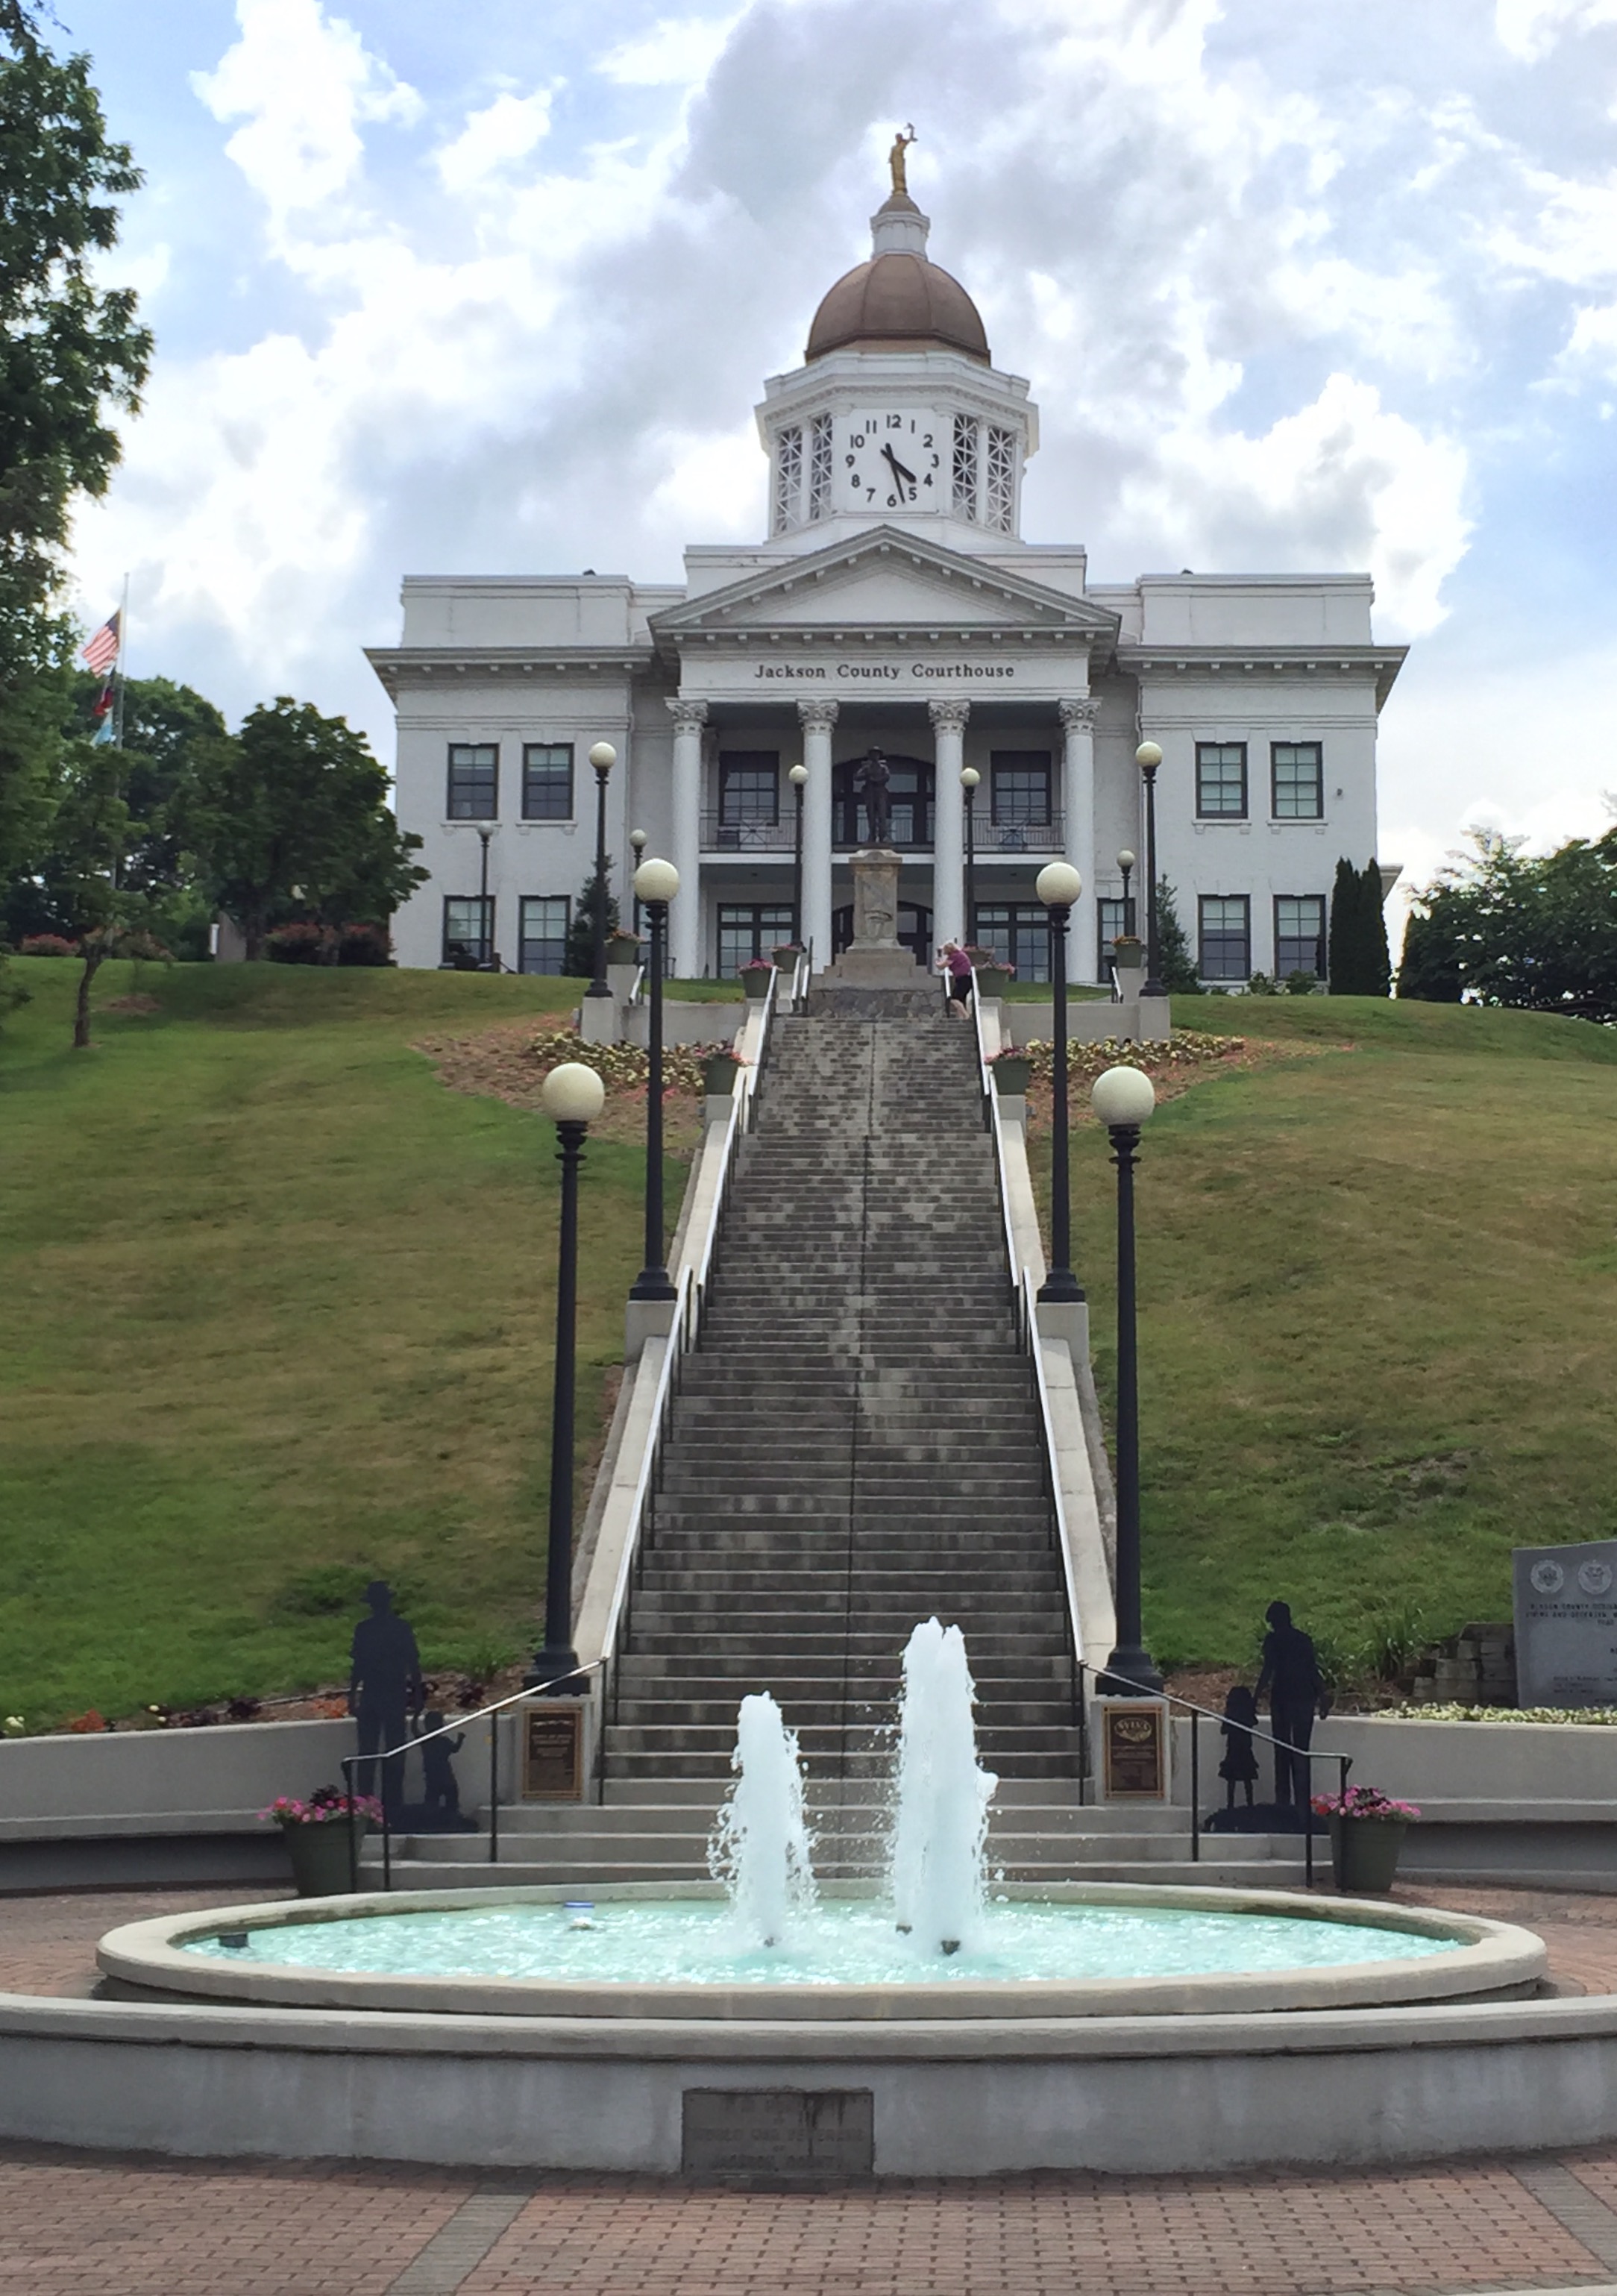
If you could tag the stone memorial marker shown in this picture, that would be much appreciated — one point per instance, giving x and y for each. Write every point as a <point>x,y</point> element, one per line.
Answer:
<point>1566,1623</point>
<point>783,2132</point>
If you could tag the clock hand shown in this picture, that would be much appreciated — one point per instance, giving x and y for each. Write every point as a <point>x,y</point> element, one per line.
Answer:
<point>898,471</point>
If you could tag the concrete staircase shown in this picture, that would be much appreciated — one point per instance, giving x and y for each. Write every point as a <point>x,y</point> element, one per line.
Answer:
<point>855,1446</point>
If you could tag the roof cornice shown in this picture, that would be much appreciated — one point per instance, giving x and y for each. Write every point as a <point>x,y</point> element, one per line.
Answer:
<point>1239,662</point>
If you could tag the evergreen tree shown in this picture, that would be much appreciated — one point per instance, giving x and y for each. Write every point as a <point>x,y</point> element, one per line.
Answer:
<point>1373,927</point>
<point>1431,968</point>
<point>579,962</point>
<point>1341,961</point>
<point>1176,964</point>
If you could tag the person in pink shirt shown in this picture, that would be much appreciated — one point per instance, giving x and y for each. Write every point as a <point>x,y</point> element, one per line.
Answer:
<point>954,961</point>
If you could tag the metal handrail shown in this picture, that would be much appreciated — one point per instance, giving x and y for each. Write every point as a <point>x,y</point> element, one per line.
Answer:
<point>1048,1425</point>
<point>1200,1714</point>
<point>993,1120</point>
<point>802,973</point>
<point>350,1762</point>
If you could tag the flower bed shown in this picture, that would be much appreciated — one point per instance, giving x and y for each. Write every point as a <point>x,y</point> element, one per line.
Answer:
<point>1598,1716</point>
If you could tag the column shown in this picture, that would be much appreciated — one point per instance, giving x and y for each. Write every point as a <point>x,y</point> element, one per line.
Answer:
<point>948,820</point>
<point>685,911</point>
<point>817,718</point>
<point>1078,802</point>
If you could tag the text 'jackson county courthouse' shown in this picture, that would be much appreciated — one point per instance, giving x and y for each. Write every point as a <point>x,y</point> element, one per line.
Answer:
<point>892,605</point>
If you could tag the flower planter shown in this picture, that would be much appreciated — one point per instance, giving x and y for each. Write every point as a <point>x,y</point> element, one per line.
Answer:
<point>320,1858</point>
<point>719,1074</point>
<point>992,981</point>
<point>1365,1853</point>
<point>621,980</point>
<point>1011,1075</point>
<point>757,984</point>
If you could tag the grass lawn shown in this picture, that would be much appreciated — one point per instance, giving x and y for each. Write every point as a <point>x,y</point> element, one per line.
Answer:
<point>279,1313</point>
<point>1378,1333</point>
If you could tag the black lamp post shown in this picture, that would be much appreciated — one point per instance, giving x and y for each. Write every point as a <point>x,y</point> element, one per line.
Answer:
<point>1058,886</point>
<point>969,779</point>
<point>799,779</point>
<point>1125,862</point>
<point>571,1097</point>
<point>656,883</point>
<point>484,938</point>
<point>1148,758</point>
<point>1123,1098</point>
<point>602,757</point>
<point>637,838</point>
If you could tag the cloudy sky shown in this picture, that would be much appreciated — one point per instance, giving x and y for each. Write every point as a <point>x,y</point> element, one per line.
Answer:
<point>488,289</point>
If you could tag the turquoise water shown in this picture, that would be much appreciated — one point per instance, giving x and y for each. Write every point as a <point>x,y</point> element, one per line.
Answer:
<point>677,1941</point>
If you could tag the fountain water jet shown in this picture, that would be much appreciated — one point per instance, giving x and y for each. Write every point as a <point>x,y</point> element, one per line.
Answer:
<point>760,1847</point>
<point>942,1794</point>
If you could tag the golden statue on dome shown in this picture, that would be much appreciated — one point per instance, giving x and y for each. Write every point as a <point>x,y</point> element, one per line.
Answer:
<point>895,160</point>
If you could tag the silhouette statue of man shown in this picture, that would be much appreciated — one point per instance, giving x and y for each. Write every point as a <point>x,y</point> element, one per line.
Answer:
<point>872,782</point>
<point>385,1688</point>
<point>1291,1675</point>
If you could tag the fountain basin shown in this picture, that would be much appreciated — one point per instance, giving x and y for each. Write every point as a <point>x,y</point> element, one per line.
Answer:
<point>1073,1951</point>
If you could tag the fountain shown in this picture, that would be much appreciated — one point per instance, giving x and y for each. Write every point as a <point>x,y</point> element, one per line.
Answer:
<point>1073,2024</point>
<point>942,1795</point>
<point>760,1847</point>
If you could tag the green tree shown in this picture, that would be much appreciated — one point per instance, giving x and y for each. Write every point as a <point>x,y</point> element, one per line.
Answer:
<point>1357,964</point>
<point>290,818</point>
<point>1539,932</point>
<point>71,354</point>
<point>1377,957</point>
<point>580,961</point>
<point>1342,960</point>
<point>1177,965</point>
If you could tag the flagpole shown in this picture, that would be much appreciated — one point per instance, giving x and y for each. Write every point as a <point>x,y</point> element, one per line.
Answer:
<point>117,669</point>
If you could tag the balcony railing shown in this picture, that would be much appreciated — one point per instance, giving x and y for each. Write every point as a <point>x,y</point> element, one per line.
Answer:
<point>719,834</point>
<point>991,838</point>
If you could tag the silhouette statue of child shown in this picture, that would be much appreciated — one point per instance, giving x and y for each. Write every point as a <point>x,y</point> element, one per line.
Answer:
<point>1239,1766</point>
<point>439,1790</point>
<point>385,1688</point>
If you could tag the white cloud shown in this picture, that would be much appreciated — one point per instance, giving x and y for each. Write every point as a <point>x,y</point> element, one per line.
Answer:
<point>1530,28</point>
<point>507,130</point>
<point>304,83</point>
<point>678,52</point>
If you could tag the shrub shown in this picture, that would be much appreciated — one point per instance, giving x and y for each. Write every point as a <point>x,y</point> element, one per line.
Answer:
<point>48,945</point>
<point>1301,984</point>
<point>1261,985</point>
<point>366,944</point>
<point>302,944</point>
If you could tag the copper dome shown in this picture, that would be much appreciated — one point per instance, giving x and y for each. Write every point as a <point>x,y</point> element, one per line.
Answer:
<point>898,303</point>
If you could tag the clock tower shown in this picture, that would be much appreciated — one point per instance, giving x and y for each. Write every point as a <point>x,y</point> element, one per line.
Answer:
<point>898,416</point>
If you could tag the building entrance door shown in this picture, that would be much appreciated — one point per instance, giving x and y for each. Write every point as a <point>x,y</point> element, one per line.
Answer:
<point>914,930</point>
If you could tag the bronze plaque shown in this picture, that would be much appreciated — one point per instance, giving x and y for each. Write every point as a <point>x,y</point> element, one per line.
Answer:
<point>778,2132</point>
<point>1136,1754</point>
<point>552,1751</point>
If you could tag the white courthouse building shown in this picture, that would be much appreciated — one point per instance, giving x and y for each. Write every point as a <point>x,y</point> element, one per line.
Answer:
<point>892,605</point>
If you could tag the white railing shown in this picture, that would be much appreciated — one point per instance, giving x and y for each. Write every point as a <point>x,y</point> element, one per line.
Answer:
<point>802,973</point>
<point>1028,1321</point>
<point>993,1120</point>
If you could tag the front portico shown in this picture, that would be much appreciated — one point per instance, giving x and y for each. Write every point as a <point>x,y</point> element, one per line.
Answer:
<point>937,659</point>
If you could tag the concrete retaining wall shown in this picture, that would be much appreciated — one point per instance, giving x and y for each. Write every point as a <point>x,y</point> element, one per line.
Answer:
<point>1159,2094</point>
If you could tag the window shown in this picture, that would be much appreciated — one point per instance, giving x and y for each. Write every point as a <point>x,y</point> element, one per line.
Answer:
<point>746,932</point>
<point>749,788</point>
<point>469,928</point>
<point>1227,937</point>
<point>1019,788</point>
<point>1109,917</point>
<point>1298,768</point>
<point>542,934</point>
<point>819,467</point>
<point>1298,934</point>
<point>1018,933</point>
<point>1221,781</point>
<point>474,775</point>
<point>788,475</point>
<point>548,780</point>
<point>1002,479</point>
<point>966,466</point>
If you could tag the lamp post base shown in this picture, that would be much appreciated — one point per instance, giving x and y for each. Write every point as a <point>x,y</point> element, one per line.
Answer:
<point>554,1669</point>
<point>1130,1673</point>
<point>1061,1289</point>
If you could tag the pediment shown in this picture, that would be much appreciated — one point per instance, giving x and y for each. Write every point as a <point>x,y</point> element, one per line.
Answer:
<point>883,580</point>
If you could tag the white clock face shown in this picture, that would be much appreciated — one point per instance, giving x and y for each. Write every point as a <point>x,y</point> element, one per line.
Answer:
<point>893,462</point>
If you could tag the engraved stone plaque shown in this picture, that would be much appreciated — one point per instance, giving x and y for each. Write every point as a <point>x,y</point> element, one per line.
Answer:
<point>1134,1749</point>
<point>781,2132</point>
<point>1566,1623</point>
<point>552,1751</point>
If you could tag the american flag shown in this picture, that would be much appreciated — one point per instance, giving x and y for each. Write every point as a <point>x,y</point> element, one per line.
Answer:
<point>101,652</point>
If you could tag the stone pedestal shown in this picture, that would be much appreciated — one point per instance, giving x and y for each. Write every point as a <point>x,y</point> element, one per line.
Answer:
<point>601,1021</point>
<point>876,957</point>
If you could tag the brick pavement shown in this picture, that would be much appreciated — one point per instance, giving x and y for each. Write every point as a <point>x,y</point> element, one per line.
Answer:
<point>89,2225</point>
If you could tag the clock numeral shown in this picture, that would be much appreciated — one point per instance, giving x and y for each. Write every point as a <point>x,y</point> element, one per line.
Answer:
<point>892,502</point>
<point>926,440</point>
<point>857,438</point>
<point>927,481</point>
<point>912,494</point>
<point>850,460</point>
<point>934,461</point>
<point>895,422</point>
